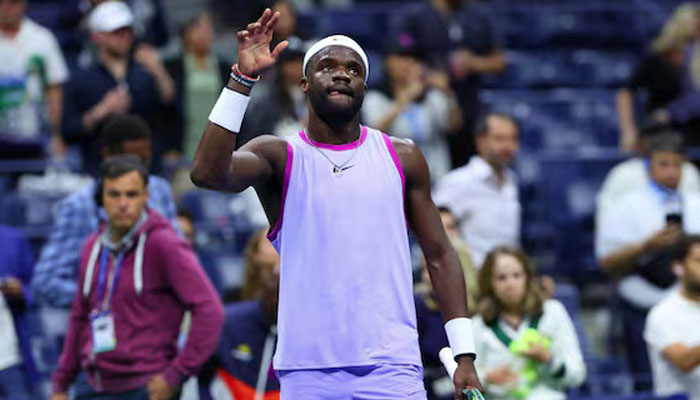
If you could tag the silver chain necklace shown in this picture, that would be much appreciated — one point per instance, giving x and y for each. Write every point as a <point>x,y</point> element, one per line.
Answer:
<point>338,168</point>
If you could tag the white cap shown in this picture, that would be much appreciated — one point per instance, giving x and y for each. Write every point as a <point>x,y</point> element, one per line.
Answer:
<point>336,40</point>
<point>110,16</point>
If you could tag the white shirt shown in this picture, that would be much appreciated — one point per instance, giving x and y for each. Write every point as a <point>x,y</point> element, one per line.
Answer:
<point>633,174</point>
<point>30,60</point>
<point>9,345</point>
<point>565,350</point>
<point>426,123</point>
<point>634,218</point>
<point>488,215</point>
<point>674,320</point>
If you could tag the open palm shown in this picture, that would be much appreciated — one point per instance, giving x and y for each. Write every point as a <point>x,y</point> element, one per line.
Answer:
<point>254,55</point>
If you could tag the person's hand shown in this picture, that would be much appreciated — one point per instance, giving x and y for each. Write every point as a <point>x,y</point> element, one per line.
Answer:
<point>117,100</point>
<point>438,80</point>
<point>502,376</point>
<point>57,147</point>
<point>59,396</point>
<point>629,140</point>
<point>548,286</point>
<point>409,93</point>
<point>462,63</point>
<point>664,238</point>
<point>148,57</point>
<point>12,288</point>
<point>159,389</point>
<point>465,376</point>
<point>537,353</point>
<point>254,55</point>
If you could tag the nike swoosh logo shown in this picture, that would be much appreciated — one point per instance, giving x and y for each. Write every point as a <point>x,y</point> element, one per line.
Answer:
<point>347,168</point>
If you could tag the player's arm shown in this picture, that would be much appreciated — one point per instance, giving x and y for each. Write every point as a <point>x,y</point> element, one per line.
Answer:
<point>682,357</point>
<point>216,165</point>
<point>442,261</point>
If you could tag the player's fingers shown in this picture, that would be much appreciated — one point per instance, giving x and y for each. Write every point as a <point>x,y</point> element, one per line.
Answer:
<point>279,49</point>
<point>253,27</point>
<point>265,16</point>
<point>270,25</point>
<point>242,34</point>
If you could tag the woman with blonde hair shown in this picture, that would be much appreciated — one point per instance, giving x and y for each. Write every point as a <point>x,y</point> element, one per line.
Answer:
<point>660,76</point>
<point>527,346</point>
<point>259,254</point>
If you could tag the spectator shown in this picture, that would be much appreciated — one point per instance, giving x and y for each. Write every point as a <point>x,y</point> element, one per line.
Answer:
<point>17,369</point>
<point>671,330</point>
<point>31,75</point>
<point>244,358</point>
<point>414,102</point>
<point>460,39</point>
<point>185,222</point>
<point>286,27</point>
<point>659,77</point>
<point>258,253</point>
<point>154,279</point>
<point>527,346</point>
<point>311,4</point>
<point>121,81</point>
<point>199,76</point>
<point>635,237</point>
<point>279,106</point>
<point>431,335</point>
<point>633,173</point>
<point>78,215</point>
<point>483,195</point>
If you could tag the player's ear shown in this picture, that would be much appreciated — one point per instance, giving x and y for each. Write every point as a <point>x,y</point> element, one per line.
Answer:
<point>304,85</point>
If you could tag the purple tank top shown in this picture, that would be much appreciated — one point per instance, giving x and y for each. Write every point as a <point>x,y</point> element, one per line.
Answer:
<point>346,296</point>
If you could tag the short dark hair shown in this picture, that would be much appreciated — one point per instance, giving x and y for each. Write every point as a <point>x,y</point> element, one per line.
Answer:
<point>121,128</point>
<point>667,141</point>
<point>683,248</point>
<point>117,166</point>
<point>482,127</point>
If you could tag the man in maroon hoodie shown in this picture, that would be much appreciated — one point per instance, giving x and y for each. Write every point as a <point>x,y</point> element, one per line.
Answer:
<point>137,278</point>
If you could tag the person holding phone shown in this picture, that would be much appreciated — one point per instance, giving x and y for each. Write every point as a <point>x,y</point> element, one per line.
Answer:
<point>635,237</point>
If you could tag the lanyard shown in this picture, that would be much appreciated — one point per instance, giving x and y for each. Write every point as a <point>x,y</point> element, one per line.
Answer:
<point>106,304</point>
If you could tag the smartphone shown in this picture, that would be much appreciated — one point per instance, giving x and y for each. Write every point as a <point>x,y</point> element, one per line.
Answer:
<point>674,218</point>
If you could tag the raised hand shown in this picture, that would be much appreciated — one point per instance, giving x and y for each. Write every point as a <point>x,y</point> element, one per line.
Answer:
<point>254,55</point>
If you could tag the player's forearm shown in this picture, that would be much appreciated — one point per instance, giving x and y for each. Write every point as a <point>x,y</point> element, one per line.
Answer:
<point>447,279</point>
<point>212,166</point>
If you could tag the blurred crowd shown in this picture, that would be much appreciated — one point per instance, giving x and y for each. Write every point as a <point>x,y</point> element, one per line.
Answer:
<point>121,101</point>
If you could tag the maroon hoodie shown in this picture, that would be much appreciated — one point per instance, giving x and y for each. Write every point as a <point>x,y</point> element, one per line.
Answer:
<point>160,279</point>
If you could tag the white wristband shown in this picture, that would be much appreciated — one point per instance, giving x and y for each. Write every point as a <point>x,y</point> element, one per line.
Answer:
<point>229,110</point>
<point>460,335</point>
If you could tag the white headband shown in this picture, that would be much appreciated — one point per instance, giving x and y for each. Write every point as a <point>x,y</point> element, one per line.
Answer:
<point>336,40</point>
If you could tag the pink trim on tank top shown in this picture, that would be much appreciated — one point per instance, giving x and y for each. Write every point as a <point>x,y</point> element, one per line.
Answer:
<point>285,185</point>
<point>336,147</point>
<point>395,157</point>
